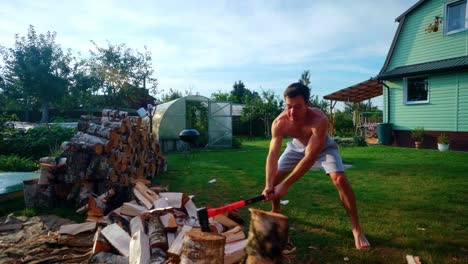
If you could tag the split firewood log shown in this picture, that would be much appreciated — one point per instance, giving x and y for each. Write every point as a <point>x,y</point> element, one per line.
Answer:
<point>202,247</point>
<point>268,234</point>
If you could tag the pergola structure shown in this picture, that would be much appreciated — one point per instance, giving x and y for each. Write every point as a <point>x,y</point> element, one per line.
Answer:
<point>355,94</point>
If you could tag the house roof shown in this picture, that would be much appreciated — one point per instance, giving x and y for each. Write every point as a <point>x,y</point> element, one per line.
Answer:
<point>401,20</point>
<point>358,92</point>
<point>458,63</point>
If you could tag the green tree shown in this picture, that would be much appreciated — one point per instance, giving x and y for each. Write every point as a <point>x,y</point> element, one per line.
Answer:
<point>264,108</point>
<point>172,95</point>
<point>117,66</point>
<point>221,97</point>
<point>36,71</point>
<point>305,78</point>
<point>240,94</point>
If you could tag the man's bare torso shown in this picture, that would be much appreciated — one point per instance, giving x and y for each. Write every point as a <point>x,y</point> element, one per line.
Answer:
<point>301,130</point>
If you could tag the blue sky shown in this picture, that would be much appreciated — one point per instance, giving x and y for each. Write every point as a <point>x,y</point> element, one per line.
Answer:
<point>205,46</point>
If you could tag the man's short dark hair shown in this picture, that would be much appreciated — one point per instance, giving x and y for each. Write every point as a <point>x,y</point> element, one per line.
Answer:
<point>296,89</point>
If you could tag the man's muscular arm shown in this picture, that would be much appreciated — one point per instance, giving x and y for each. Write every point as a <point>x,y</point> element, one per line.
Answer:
<point>312,150</point>
<point>272,159</point>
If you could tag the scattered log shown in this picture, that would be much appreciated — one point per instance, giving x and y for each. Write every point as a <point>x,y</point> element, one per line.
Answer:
<point>191,208</point>
<point>136,224</point>
<point>176,248</point>
<point>234,252</point>
<point>10,227</point>
<point>174,199</point>
<point>169,222</point>
<point>105,257</point>
<point>118,238</point>
<point>139,249</point>
<point>225,221</point>
<point>203,247</point>
<point>131,209</point>
<point>156,233</point>
<point>268,233</point>
<point>100,244</point>
<point>235,234</point>
<point>74,229</point>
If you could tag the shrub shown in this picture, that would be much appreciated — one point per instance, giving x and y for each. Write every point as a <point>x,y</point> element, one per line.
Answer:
<point>15,163</point>
<point>236,142</point>
<point>36,142</point>
<point>359,141</point>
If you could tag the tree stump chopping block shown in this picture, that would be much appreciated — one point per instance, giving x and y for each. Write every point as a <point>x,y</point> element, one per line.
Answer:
<point>203,247</point>
<point>268,234</point>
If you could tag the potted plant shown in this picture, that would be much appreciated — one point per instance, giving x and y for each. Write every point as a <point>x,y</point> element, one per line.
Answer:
<point>418,135</point>
<point>443,142</point>
<point>434,27</point>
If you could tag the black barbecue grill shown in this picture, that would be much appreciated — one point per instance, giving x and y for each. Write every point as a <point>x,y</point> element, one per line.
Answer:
<point>189,136</point>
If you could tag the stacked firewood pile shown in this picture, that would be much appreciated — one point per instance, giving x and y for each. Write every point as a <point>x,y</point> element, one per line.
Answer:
<point>106,153</point>
<point>162,227</point>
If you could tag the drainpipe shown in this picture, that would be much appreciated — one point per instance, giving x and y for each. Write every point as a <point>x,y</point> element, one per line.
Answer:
<point>388,101</point>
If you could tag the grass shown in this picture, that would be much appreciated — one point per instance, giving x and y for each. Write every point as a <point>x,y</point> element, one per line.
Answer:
<point>410,201</point>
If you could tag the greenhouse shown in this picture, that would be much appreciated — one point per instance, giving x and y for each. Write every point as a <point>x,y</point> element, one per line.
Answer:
<point>213,120</point>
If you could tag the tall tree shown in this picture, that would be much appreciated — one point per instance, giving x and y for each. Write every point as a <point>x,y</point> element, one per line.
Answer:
<point>221,97</point>
<point>305,78</point>
<point>117,66</point>
<point>240,94</point>
<point>264,108</point>
<point>36,71</point>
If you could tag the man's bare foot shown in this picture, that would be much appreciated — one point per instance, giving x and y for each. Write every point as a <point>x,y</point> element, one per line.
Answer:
<point>360,240</point>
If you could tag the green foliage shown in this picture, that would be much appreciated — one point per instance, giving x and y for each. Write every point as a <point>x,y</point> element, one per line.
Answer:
<point>359,141</point>
<point>221,97</point>
<point>418,134</point>
<point>37,142</point>
<point>344,126</point>
<point>36,71</point>
<point>305,78</point>
<point>265,109</point>
<point>197,118</point>
<point>236,142</point>
<point>29,212</point>
<point>15,163</point>
<point>172,95</point>
<point>240,94</point>
<point>117,66</point>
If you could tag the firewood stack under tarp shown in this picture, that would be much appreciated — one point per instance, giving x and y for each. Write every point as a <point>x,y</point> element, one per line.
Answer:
<point>104,156</point>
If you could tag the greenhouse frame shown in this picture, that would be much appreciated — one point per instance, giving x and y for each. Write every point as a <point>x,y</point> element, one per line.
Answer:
<point>172,117</point>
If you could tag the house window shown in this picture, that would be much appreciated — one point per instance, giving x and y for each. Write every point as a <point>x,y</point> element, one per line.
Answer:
<point>416,90</point>
<point>456,17</point>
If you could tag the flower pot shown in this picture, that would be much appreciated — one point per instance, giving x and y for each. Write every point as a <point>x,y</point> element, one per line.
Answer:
<point>442,147</point>
<point>418,144</point>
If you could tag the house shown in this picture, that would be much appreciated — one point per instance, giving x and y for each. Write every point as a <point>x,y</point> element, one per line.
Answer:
<point>425,74</point>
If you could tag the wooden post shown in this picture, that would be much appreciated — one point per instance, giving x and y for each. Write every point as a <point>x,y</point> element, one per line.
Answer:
<point>268,234</point>
<point>203,247</point>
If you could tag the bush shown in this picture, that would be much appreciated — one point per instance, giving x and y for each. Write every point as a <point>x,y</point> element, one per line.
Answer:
<point>236,142</point>
<point>359,141</point>
<point>15,163</point>
<point>36,142</point>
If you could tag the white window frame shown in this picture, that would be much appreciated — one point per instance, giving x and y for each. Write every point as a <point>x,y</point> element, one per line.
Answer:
<point>405,90</point>
<point>446,18</point>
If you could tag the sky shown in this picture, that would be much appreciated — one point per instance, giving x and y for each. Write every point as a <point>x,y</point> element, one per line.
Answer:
<point>205,46</point>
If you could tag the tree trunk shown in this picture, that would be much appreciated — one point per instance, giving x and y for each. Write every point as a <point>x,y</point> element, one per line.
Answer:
<point>268,234</point>
<point>45,112</point>
<point>203,247</point>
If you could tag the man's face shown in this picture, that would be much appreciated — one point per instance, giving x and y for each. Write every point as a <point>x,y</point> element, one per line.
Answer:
<point>296,108</point>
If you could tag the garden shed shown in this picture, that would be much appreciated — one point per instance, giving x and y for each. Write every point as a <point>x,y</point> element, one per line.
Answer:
<point>213,120</point>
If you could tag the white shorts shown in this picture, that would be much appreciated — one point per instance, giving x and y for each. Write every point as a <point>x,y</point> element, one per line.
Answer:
<point>329,158</point>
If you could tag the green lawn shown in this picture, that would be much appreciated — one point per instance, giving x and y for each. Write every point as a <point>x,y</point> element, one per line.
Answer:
<point>410,201</point>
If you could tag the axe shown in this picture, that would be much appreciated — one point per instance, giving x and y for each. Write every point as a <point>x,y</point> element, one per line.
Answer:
<point>204,214</point>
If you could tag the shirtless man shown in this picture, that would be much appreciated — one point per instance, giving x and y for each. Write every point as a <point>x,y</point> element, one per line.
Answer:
<point>308,127</point>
